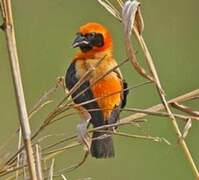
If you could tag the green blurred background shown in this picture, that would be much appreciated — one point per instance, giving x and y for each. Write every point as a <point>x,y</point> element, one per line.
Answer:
<point>45,30</point>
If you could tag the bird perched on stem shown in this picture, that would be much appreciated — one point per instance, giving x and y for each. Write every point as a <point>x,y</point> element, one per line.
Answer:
<point>103,97</point>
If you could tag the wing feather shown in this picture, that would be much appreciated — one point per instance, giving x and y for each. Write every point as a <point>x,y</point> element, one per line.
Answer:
<point>70,81</point>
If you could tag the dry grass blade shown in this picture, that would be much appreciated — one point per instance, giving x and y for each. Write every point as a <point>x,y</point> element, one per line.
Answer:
<point>142,114</point>
<point>53,153</point>
<point>123,121</point>
<point>39,108</point>
<point>185,109</point>
<point>164,114</point>
<point>73,167</point>
<point>179,99</point>
<point>63,177</point>
<point>129,9</point>
<point>136,136</point>
<point>19,155</point>
<point>68,106</point>
<point>10,170</point>
<point>43,100</point>
<point>60,109</point>
<point>51,171</point>
<point>110,8</point>
<point>132,21</point>
<point>120,2</point>
<point>38,162</point>
<point>131,17</point>
<point>6,10</point>
<point>187,128</point>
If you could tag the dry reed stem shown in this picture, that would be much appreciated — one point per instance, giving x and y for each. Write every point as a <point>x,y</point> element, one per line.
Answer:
<point>128,120</point>
<point>43,100</point>
<point>63,177</point>
<point>73,167</point>
<point>164,101</point>
<point>38,162</point>
<point>124,121</point>
<point>19,155</point>
<point>187,128</point>
<point>51,171</point>
<point>136,136</point>
<point>17,82</point>
<point>131,118</point>
<point>185,109</point>
<point>60,108</point>
<point>131,9</point>
<point>54,114</point>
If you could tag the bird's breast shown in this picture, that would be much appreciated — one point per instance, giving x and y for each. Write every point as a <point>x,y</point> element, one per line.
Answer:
<point>99,69</point>
<point>107,89</point>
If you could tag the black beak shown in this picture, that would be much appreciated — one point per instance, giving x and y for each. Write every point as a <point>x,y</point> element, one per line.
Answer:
<point>79,41</point>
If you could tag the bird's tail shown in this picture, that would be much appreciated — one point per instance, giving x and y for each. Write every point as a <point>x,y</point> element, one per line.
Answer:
<point>102,145</point>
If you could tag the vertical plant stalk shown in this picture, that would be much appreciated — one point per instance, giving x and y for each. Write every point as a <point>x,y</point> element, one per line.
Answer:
<point>19,155</point>
<point>165,103</point>
<point>132,19</point>
<point>8,27</point>
<point>38,163</point>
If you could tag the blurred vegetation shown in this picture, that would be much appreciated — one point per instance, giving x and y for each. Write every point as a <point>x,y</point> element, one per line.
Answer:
<point>45,30</point>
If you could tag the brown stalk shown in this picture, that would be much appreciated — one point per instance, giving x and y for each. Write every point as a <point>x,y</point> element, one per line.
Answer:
<point>132,19</point>
<point>43,100</point>
<point>136,116</point>
<point>185,109</point>
<point>124,121</point>
<point>17,82</point>
<point>73,167</point>
<point>60,108</point>
<point>19,155</point>
<point>51,171</point>
<point>135,136</point>
<point>38,162</point>
<point>164,101</point>
<point>130,118</point>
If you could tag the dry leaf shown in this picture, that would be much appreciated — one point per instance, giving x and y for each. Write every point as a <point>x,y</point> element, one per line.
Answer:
<point>187,128</point>
<point>131,16</point>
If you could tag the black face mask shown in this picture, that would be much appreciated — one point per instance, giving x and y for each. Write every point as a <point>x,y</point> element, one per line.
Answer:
<point>86,42</point>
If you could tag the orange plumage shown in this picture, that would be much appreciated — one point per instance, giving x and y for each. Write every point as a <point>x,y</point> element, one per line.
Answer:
<point>111,83</point>
<point>95,43</point>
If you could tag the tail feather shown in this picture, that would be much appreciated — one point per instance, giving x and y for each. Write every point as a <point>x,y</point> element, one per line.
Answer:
<point>102,145</point>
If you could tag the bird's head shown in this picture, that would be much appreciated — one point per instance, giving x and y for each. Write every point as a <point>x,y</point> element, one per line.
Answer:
<point>93,37</point>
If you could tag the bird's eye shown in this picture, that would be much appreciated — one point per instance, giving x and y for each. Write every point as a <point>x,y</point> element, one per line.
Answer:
<point>92,34</point>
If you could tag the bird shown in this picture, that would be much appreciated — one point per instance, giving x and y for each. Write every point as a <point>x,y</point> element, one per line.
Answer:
<point>107,95</point>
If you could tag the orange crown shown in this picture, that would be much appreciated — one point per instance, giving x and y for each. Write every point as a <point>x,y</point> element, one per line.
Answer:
<point>98,28</point>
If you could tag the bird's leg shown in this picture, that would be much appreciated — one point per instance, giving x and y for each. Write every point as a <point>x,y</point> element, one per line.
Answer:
<point>82,133</point>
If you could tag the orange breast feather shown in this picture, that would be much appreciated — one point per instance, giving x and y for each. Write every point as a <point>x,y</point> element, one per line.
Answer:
<point>105,87</point>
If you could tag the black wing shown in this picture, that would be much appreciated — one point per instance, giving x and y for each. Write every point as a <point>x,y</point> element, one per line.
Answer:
<point>70,80</point>
<point>116,111</point>
<point>125,93</point>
